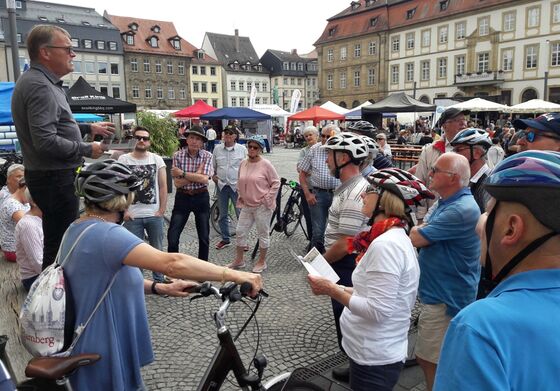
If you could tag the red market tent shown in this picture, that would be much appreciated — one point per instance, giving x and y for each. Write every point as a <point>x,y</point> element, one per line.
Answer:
<point>195,111</point>
<point>316,114</point>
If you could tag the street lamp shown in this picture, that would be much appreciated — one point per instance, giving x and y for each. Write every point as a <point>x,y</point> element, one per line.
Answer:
<point>11,6</point>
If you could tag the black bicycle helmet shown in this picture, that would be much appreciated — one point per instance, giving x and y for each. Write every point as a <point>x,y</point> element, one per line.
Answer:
<point>364,128</point>
<point>104,180</point>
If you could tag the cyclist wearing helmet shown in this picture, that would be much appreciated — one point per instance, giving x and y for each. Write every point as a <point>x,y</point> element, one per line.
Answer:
<point>367,167</point>
<point>473,144</point>
<point>345,153</point>
<point>119,330</point>
<point>364,128</point>
<point>376,315</point>
<point>542,133</point>
<point>510,340</point>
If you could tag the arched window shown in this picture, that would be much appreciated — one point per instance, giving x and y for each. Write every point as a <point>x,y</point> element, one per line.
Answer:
<point>424,99</point>
<point>355,104</point>
<point>528,94</point>
<point>457,95</point>
<point>342,104</point>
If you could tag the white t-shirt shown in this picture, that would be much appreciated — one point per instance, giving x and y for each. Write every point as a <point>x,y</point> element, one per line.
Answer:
<point>29,245</point>
<point>146,202</point>
<point>376,322</point>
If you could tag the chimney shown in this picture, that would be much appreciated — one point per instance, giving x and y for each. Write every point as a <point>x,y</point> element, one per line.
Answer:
<point>237,40</point>
<point>294,52</point>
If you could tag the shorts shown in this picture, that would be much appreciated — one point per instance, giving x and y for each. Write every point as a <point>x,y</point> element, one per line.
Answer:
<point>432,325</point>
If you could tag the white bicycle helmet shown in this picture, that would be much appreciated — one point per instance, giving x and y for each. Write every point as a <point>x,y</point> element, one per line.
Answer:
<point>349,143</point>
<point>372,145</point>
<point>472,136</point>
<point>104,180</point>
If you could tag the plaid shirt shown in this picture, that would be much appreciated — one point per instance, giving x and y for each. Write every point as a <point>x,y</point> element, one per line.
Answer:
<point>315,162</point>
<point>201,163</point>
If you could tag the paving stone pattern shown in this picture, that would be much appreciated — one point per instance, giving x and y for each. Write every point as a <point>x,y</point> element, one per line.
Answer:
<point>296,327</point>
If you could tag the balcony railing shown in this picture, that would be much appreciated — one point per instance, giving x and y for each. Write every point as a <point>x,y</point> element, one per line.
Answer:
<point>478,78</point>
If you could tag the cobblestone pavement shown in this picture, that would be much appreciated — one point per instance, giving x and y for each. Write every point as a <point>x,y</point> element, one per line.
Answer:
<point>296,327</point>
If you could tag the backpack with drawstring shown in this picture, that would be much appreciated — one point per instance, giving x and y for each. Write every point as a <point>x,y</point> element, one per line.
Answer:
<point>47,321</point>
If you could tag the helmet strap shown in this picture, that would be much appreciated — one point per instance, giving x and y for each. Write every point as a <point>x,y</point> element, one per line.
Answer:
<point>337,168</point>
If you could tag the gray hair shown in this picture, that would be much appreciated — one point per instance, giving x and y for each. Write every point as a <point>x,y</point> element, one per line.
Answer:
<point>311,129</point>
<point>460,166</point>
<point>332,129</point>
<point>13,168</point>
<point>41,35</point>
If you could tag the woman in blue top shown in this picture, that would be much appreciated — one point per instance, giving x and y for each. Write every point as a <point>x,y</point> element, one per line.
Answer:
<point>119,330</point>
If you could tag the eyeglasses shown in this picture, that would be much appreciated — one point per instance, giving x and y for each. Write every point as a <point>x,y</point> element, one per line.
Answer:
<point>530,136</point>
<point>69,49</point>
<point>434,170</point>
<point>253,147</point>
<point>372,189</point>
<point>142,138</point>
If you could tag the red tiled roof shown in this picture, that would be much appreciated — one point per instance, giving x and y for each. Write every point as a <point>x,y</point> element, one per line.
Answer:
<point>144,32</point>
<point>357,24</point>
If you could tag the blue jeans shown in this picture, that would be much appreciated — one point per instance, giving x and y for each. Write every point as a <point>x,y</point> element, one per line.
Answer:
<point>154,227</point>
<point>319,215</point>
<point>199,204</point>
<point>224,196</point>
<point>374,377</point>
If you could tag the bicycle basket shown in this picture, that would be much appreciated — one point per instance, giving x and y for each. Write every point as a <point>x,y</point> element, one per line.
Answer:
<point>305,379</point>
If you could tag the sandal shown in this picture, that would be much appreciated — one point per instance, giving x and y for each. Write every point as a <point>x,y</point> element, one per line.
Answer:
<point>260,268</point>
<point>235,265</point>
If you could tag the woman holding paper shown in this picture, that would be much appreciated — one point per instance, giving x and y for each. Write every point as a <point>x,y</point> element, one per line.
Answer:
<point>377,309</point>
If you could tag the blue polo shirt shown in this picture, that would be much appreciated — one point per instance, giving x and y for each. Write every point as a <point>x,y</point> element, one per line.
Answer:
<point>450,265</point>
<point>508,341</point>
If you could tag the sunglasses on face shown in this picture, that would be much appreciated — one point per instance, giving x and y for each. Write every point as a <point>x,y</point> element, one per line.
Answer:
<point>142,138</point>
<point>253,147</point>
<point>531,135</point>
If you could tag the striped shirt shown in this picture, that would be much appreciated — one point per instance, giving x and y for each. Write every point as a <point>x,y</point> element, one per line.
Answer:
<point>345,214</point>
<point>315,163</point>
<point>29,245</point>
<point>201,164</point>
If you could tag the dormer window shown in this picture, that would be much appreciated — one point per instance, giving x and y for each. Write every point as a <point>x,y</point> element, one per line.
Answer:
<point>200,54</point>
<point>259,67</point>
<point>248,65</point>
<point>443,5</point>
<point>129,39</point>
<point>153,41</point>
<point>156,29</point>
<point>43,18</point>
<point>355,5</point>
<point>60,20</point>
<point>410,13</point>
<point>332,31</point>
<point>369,2</point>
<point>133,26</point>
<point>235,65</point>
<point>373,22</point>
<point>86,23</point>
<point>176,43</point>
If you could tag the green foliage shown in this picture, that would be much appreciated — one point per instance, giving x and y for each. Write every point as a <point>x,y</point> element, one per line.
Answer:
<point>163,133</point>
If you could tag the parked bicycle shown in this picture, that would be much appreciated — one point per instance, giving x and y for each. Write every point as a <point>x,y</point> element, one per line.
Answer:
<point>215,215</point>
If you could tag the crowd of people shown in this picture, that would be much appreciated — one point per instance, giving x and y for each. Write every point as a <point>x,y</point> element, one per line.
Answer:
<point>461,207</point>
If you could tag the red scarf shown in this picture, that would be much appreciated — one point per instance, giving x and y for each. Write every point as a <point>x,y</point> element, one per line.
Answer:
<point>440,145</point>
<point>361,241</point>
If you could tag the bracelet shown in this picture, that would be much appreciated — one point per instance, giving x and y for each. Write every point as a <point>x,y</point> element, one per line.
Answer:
<point>154,288</point>
<point>224,275</point>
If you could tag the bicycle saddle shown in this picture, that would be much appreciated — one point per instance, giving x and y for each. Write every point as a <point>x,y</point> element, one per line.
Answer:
<point>57,367</point>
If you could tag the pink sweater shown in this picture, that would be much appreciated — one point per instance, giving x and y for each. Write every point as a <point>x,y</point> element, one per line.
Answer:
<point>258,184</point>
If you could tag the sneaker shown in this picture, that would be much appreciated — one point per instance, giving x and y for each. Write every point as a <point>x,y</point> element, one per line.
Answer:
<point>222,245</point>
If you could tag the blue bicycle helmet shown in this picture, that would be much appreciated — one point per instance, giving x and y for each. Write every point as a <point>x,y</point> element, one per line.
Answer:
<point>258,140</point>
<point>531,178</point>
<point>472,136</point>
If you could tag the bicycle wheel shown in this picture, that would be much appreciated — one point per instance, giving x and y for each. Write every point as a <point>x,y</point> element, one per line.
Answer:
<point>292,217</point>
<point>215,217</point>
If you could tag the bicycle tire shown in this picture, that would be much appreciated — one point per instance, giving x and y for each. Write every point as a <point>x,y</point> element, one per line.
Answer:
<point>215,219</point>
<point>292,217</point>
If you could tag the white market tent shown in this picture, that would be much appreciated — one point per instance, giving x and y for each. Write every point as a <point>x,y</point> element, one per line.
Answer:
<point>366,103</point>
<point>334,108</point>
<point>535,106</point>
<point>479,104</point>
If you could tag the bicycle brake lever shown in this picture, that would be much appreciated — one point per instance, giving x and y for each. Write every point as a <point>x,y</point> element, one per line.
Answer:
<point>195,297</point>
<point>263,293</point>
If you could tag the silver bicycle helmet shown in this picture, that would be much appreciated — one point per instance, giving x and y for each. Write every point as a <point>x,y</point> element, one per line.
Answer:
<point>350,143</point>
<point>363,127</point>
<point>104,180</point>
<point>372,145</point>
<point>472,136</point>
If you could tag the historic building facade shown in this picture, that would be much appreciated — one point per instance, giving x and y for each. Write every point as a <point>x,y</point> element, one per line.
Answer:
<point>508,51</point>
<point>206,79</point>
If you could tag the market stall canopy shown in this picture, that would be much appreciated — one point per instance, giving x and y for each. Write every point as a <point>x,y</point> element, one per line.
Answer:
<point>316,114</point>
<point>334,107</point>
<point>357,114</point>
<point>195,111</point>
<point>272,110</point>
<point>535,106</point>
<point>6,90</point>
<point>83,98</point>
<point>479,104</point>
<point>366,103</point>
<point>398,103</point>
<point>235,113</point>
